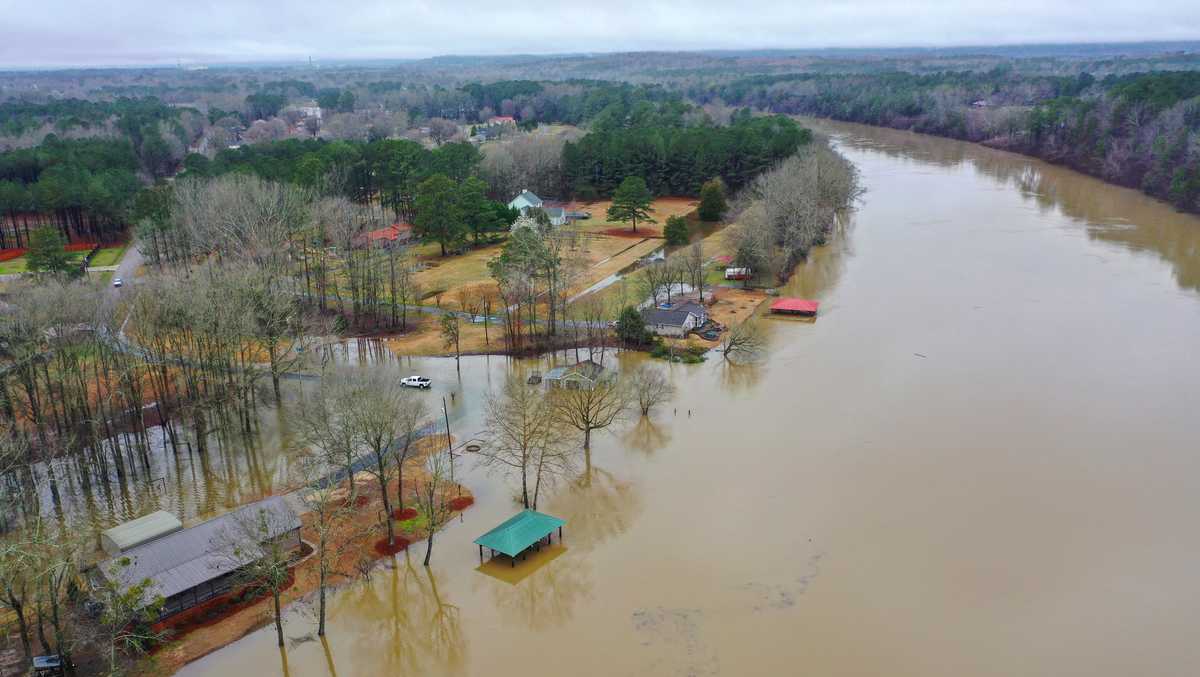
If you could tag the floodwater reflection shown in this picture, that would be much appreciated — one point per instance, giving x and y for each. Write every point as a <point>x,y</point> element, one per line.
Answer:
<point>545,595</point>
<point>646,436</point>
<point>403,622</point>
<point>512,571</point>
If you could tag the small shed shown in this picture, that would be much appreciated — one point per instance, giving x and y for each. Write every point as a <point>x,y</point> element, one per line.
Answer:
<point>518,533</point>
<point>791,306</point>
<point>133,533</point>
<point>585,374</point>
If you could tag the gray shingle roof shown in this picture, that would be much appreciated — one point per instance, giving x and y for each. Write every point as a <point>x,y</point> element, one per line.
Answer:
<point>674,317</point>
<point>185,559</point>
<point>587,368</point>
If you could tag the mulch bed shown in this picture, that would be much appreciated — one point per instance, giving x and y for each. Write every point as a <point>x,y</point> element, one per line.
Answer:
<point>382,547</point>
<point>405,514</point>
<point>461,502</point>
<point>642,233</point>
<point>361,500</point>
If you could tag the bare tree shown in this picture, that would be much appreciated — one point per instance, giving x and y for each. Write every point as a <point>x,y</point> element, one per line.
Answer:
<point>524,438</point>
<point>332,513</point>
<point>327,424</point>
<point>378,402</point>
<point>18,579</point>
<point>129,608</point>
<point>258,546</point>
<point>410,418</point>
<point>743,343</point>
<point>693,264</point>
<point>651,388</point>
<point>588,409</point>
<point>442,130</point>
<point>431,497</point>
<point>451,330</point>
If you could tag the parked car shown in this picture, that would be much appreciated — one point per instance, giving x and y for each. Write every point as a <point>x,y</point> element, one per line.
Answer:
<point>117,282</point>
<point>416,382</point>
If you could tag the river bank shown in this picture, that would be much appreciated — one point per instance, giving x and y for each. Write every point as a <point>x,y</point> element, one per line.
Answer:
<point>928,450</point>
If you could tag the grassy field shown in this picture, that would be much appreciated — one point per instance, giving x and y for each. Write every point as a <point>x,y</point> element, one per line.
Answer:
<point>109,256</point>
<point>662,208</point>
<point>599,257</point>
<point>17,265</point>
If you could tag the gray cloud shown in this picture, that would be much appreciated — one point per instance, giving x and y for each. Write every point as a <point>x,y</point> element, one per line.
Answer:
<point>89,32</point>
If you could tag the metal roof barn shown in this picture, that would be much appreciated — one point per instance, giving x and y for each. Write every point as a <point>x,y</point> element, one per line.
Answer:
<point>185,559</point>
<point>138,531</point>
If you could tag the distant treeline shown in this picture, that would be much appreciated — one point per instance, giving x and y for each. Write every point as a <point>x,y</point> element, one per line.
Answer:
<point>85,187</point>
<point>388,170</point>
<point>1138,130</point>
<point>649,141</point>
<point>675,159</point>
<point>18,117</point>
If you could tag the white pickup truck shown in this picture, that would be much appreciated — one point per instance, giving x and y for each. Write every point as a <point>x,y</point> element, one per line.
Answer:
<point>416,382</point>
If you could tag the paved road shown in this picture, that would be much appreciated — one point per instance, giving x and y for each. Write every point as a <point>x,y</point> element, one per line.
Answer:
<point>130,262</point>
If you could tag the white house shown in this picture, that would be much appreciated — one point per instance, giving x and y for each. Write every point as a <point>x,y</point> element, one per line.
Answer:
<point>526,200</point>
<point>676,321</point>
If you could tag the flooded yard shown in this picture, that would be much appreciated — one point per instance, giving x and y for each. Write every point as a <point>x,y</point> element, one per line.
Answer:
<point>981,459</point>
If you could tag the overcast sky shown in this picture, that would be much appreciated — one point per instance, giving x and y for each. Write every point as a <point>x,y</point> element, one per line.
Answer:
<point>37,33</point>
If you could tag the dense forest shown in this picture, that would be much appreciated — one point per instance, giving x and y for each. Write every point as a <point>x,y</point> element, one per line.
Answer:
<point>674,158</point>
<point>1140,130</point>
<point>84,187</point>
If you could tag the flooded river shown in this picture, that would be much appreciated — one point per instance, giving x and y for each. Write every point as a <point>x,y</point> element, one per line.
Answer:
<point>980,460</point>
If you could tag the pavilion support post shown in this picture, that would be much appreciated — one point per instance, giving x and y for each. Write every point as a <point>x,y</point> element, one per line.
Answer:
<point>481,554</point>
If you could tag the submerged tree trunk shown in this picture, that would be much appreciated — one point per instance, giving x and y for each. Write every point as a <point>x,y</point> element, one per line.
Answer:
<point>278,617</point>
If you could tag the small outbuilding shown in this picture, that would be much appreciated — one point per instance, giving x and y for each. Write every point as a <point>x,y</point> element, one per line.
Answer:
<point>583,375</point>
<point>790,306</point>
<point>520,532</point>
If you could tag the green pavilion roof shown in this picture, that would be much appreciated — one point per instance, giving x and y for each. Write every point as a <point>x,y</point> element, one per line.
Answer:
<point>519,532</point>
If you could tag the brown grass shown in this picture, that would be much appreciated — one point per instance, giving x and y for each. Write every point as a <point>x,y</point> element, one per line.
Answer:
<point>662,208</point>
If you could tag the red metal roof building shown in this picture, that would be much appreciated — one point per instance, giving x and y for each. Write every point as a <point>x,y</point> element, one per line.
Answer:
<point>395,233</point>
<point>789,306</point>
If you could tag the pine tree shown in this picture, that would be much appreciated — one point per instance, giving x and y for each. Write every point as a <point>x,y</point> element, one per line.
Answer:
<point>631,202</point>
<point>48,252</point>
<point>676,231</point>
<point>712,200</point>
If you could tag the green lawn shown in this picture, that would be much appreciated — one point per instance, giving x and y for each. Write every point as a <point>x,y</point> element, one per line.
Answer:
<point>17,265</point>
<point>109,256</point>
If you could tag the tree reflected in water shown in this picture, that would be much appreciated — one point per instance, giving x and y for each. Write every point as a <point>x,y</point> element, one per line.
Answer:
<point>543,589</point>
<point>646,436</point>
<point>409,627</point>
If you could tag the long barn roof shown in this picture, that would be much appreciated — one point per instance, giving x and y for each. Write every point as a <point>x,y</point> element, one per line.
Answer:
<point>519,532</point>
<point>187,558</point>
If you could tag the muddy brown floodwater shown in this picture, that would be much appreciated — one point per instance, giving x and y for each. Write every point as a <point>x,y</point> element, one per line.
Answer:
<point>981,459</point>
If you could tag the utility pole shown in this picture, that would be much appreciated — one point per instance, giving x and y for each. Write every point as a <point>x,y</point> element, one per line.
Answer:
<point>449,447</point>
